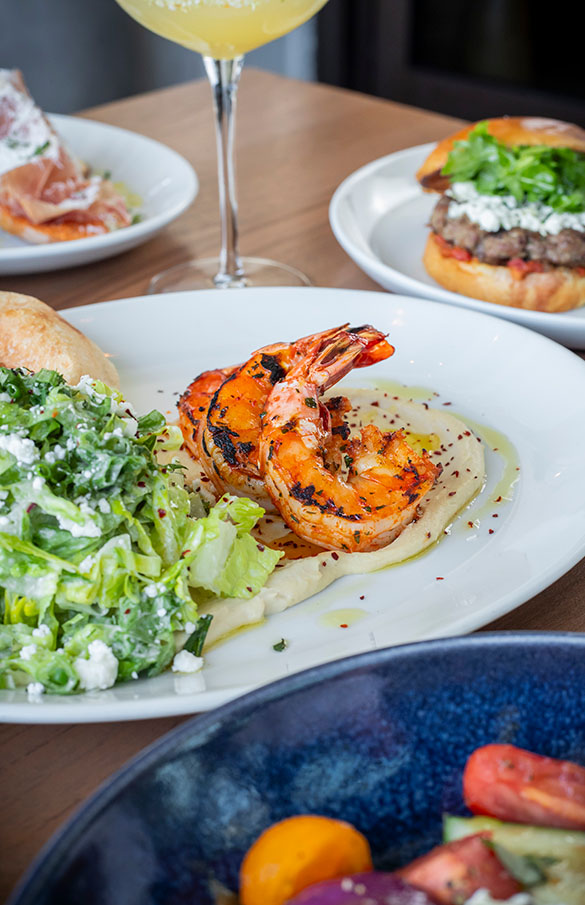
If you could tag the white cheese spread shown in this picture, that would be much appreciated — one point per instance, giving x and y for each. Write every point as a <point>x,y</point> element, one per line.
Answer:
<point>495,212</point>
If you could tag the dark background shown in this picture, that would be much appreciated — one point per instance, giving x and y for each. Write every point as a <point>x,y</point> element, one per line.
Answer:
<point>468,58</point>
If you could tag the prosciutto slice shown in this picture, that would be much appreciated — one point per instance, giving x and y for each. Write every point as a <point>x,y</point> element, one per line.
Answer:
<point>40,180</point>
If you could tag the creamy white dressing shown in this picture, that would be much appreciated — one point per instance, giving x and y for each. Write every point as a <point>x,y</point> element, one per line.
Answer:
<point>29,135</point>
<point>495,212</point>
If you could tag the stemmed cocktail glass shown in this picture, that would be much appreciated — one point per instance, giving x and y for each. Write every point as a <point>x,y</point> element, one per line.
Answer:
<point>223,31</point>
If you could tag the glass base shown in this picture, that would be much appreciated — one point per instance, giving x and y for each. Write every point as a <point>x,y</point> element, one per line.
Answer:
<point>202,274</point>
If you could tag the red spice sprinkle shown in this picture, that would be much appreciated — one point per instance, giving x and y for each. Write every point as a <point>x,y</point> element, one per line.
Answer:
<point>494,515</point>
<point>141,484</point>
<point>249,589</point>
<point>323,564</point>
<point>498,500</point>
<point>470,524</point>
<point>447,403</point>
<point>343,625</point>
<point>161,513</point>
<point>261,548</point>
<point>127,611</point>
<point>362,596</point>
<point>453,492</point>
<point>184,553</point>
<point>440,578</point>
<point>335,555</point>
<point>491,531</point>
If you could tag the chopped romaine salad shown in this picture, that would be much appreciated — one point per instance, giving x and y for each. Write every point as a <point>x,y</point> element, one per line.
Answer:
<point>104,553</point>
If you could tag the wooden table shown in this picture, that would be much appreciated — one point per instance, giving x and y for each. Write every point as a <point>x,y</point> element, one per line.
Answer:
<point>296,142</point>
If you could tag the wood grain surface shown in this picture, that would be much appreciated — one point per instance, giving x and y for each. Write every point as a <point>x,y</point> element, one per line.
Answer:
<point>296,142</point>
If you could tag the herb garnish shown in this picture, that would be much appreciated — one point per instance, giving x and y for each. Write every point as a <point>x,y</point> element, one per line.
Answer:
<point>539,173</point>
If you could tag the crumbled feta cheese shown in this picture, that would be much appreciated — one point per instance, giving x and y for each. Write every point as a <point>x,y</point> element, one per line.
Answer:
<point>104,506</point>
<point>134,674</point>
<point>189,627</point>
<point>87,528</point>
<point>161,612</point>
<point>153,590</point>
<point>100,670</point>
<point>28,651</point>
<point>123,408</point>
<point>495,212</point>
<point>187,662</point>
<point>34,691</point>
<point>23,449</point>
<point>129,426</point>
<point>86,384</point>
<point>56,454</point>
<point>117,432</point>
<point>43,631</point>
<point>38,483</point>
<point>4,397</point>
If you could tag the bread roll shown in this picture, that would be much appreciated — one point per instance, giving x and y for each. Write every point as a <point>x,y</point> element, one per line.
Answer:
<point>559,289</point>
<point>34,336</point>
<point>510,130</point>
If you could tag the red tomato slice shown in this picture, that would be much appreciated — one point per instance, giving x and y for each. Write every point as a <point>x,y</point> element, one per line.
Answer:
<point>516,785</point>
<point>452,251</point>
<point>451,873</point>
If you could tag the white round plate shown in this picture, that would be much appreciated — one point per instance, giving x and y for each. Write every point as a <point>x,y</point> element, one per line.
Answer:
<point>497,376</point>
<point>164,181</point>
<point>379,216</point>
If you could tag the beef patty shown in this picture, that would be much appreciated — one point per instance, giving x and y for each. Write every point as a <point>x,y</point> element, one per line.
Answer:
<point>566,249</point>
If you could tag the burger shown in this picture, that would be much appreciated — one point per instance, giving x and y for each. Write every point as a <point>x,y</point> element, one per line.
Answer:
<point>509,226</point>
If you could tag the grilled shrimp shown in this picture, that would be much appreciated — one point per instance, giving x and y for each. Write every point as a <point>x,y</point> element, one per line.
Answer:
<point>225,437</point>
<point>386,479</point>
<point>194,403</point>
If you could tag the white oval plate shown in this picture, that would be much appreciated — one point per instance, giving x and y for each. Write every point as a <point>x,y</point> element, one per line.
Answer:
<point>379,216</point>
<point>492,373</point>
<point>165,182</point>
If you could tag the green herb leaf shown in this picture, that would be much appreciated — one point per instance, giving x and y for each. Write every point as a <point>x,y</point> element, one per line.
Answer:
<point>41,149</point>
<point>539,173</point>
<point>280,645</point>
<point>196,640</point>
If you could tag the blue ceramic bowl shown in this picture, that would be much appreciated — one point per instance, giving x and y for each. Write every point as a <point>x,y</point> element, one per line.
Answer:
<point>379,740</point>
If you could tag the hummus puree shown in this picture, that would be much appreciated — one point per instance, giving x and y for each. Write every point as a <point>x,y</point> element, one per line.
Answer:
<point>305,570</point>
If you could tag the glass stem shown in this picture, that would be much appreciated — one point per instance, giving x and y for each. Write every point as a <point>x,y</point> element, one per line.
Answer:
<point>224,76</point>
